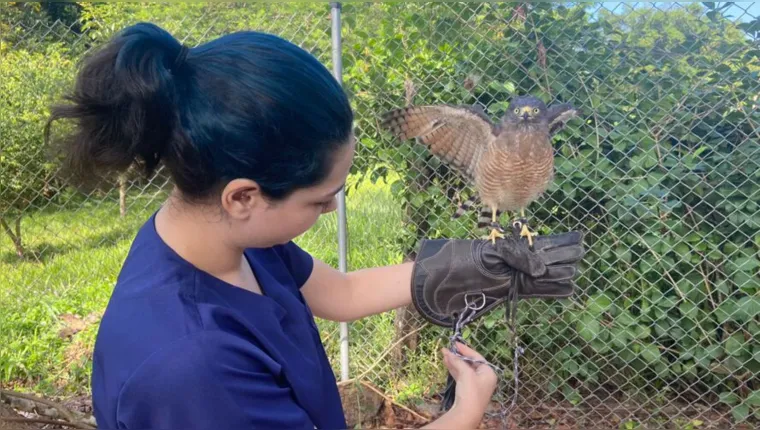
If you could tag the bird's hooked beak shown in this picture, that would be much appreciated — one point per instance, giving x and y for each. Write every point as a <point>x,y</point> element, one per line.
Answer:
<point>526,112</point>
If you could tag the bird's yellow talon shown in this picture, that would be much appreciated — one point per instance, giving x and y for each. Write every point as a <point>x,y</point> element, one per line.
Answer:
<point>494,234</point>
<point>525,232</point>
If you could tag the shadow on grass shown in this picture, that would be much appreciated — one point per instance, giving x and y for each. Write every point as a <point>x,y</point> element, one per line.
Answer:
<point>44,252</point>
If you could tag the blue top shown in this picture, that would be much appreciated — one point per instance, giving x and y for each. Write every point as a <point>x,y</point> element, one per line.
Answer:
<point>178,348</point>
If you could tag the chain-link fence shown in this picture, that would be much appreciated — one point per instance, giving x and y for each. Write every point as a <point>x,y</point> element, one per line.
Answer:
<point>661,172</point>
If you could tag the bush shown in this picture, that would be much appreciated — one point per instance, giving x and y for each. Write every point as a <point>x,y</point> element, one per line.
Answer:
<point>662,173</point>
<point>29,83</point>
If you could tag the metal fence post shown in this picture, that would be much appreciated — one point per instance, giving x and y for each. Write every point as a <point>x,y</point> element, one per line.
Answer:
<point>335,8</point>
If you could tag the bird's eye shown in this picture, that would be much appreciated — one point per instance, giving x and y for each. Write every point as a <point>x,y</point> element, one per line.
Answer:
<point>535,110</point>
<point>517,111</point>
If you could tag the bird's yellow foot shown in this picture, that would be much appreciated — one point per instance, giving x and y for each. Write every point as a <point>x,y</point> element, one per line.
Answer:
<point>525,231</point>
<point>496,231</point>
<point>494,234</point>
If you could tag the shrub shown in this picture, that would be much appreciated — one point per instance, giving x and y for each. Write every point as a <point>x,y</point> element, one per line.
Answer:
<point>29,82</point>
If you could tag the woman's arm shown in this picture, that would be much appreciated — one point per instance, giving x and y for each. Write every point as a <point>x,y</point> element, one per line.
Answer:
<point>336,296</point>
<point>456,418</point>
<point>344,297</point>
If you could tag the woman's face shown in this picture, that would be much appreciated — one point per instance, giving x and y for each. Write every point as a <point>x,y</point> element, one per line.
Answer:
<point>258,223</point>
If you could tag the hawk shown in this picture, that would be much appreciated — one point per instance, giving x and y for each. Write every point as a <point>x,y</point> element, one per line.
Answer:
<point>510,163</point>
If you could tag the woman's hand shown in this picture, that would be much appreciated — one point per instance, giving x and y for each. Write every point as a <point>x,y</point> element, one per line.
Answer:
<point>476,382</point>
<point>475,385</point>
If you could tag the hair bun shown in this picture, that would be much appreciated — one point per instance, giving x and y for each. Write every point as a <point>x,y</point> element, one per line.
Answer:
<point>124,102</point>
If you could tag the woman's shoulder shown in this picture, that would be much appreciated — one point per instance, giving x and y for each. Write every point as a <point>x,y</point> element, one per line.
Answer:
<point>289,260</point>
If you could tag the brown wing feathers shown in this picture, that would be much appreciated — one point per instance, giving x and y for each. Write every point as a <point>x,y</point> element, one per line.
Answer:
<point>454,134</point>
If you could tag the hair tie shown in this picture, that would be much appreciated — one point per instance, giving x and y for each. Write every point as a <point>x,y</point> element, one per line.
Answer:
<point>181,57</point>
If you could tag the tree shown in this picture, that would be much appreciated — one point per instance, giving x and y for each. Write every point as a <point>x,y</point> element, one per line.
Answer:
<point>29,82</point>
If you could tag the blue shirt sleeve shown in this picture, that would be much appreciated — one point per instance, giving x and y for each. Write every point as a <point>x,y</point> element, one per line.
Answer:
<point>210,379</point>
<point>299,262</point>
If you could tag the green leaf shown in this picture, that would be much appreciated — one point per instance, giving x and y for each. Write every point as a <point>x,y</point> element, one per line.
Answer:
<point>625,319</point>
<point>746,264</point>
<point>740,412</point>
<point>571,394</point>
<point>729,398</point>
<point>600,347</point>
<point>748,309</point>
<point>598,304</point>
<point>396,187</point>
<point>735,345</point>
<point>667,302</point>
<point>650,353</point>
<point>726,311</point>
<point>571,366</point>
<point>553,385</point>
<point>688,309</point>
<point>642,332</point>
<point>588,328</point>
<point>753,399</point>
<point>682,250</point>
<point>621,337</point>
<point>490,321</point>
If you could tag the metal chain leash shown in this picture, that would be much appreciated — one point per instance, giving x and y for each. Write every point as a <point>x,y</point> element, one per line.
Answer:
<point>467,315</point>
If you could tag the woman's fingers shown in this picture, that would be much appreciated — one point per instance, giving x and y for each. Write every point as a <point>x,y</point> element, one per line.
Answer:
<point>454,364</point>
<point>468,352</point>
<point>457,366</point>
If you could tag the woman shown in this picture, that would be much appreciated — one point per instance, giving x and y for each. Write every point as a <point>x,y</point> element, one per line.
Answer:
<point>210,324</point>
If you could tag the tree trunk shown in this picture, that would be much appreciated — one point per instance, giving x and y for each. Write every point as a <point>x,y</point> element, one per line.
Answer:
<point>123,195</point>
<point>15,235</point>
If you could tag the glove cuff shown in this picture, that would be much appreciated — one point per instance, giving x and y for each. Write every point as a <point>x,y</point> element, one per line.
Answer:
<point>457,280</point>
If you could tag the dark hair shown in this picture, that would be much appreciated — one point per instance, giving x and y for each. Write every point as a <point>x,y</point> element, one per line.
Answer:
<point>245,105</point>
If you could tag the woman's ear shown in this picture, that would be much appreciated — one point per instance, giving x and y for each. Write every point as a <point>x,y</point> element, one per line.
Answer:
<point>241,197</point>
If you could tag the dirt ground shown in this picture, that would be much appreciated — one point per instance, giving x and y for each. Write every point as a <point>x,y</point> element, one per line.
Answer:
<point>23,414</point>
<point>7,412</point>
<point>366,407</point>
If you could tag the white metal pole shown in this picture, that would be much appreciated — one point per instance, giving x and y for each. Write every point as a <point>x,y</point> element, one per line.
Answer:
<point>342,221</point>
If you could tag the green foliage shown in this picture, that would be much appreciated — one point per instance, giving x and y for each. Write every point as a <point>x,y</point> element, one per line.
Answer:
<point>29,82</point>
<point>33,25</point>
<point>661,173</point>
<point>195,23</point>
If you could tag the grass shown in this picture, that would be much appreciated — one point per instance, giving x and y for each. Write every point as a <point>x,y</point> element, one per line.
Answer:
<point>79,248</point>
<point>78,251</point>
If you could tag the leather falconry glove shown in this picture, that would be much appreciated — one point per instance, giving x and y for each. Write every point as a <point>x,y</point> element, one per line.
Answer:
<point>449,274</point>
<point>455,276</point>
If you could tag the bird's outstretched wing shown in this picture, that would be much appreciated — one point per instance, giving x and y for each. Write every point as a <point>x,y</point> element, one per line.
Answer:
<point>455,134</point>
<point>559,115</point>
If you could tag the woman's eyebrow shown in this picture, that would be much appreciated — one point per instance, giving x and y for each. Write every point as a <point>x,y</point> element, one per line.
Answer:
<point>336,191</point>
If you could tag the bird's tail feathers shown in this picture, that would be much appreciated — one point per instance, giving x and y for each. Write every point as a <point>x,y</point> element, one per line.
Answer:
<point>464,207</point>
<point>485,215</point>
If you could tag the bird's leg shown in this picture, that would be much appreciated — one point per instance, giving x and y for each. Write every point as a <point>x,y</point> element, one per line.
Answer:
<point>522,224</point>
<point>496,229</point>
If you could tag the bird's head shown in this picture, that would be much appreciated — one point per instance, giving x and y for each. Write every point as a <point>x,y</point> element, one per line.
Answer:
<point>526,110</point>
